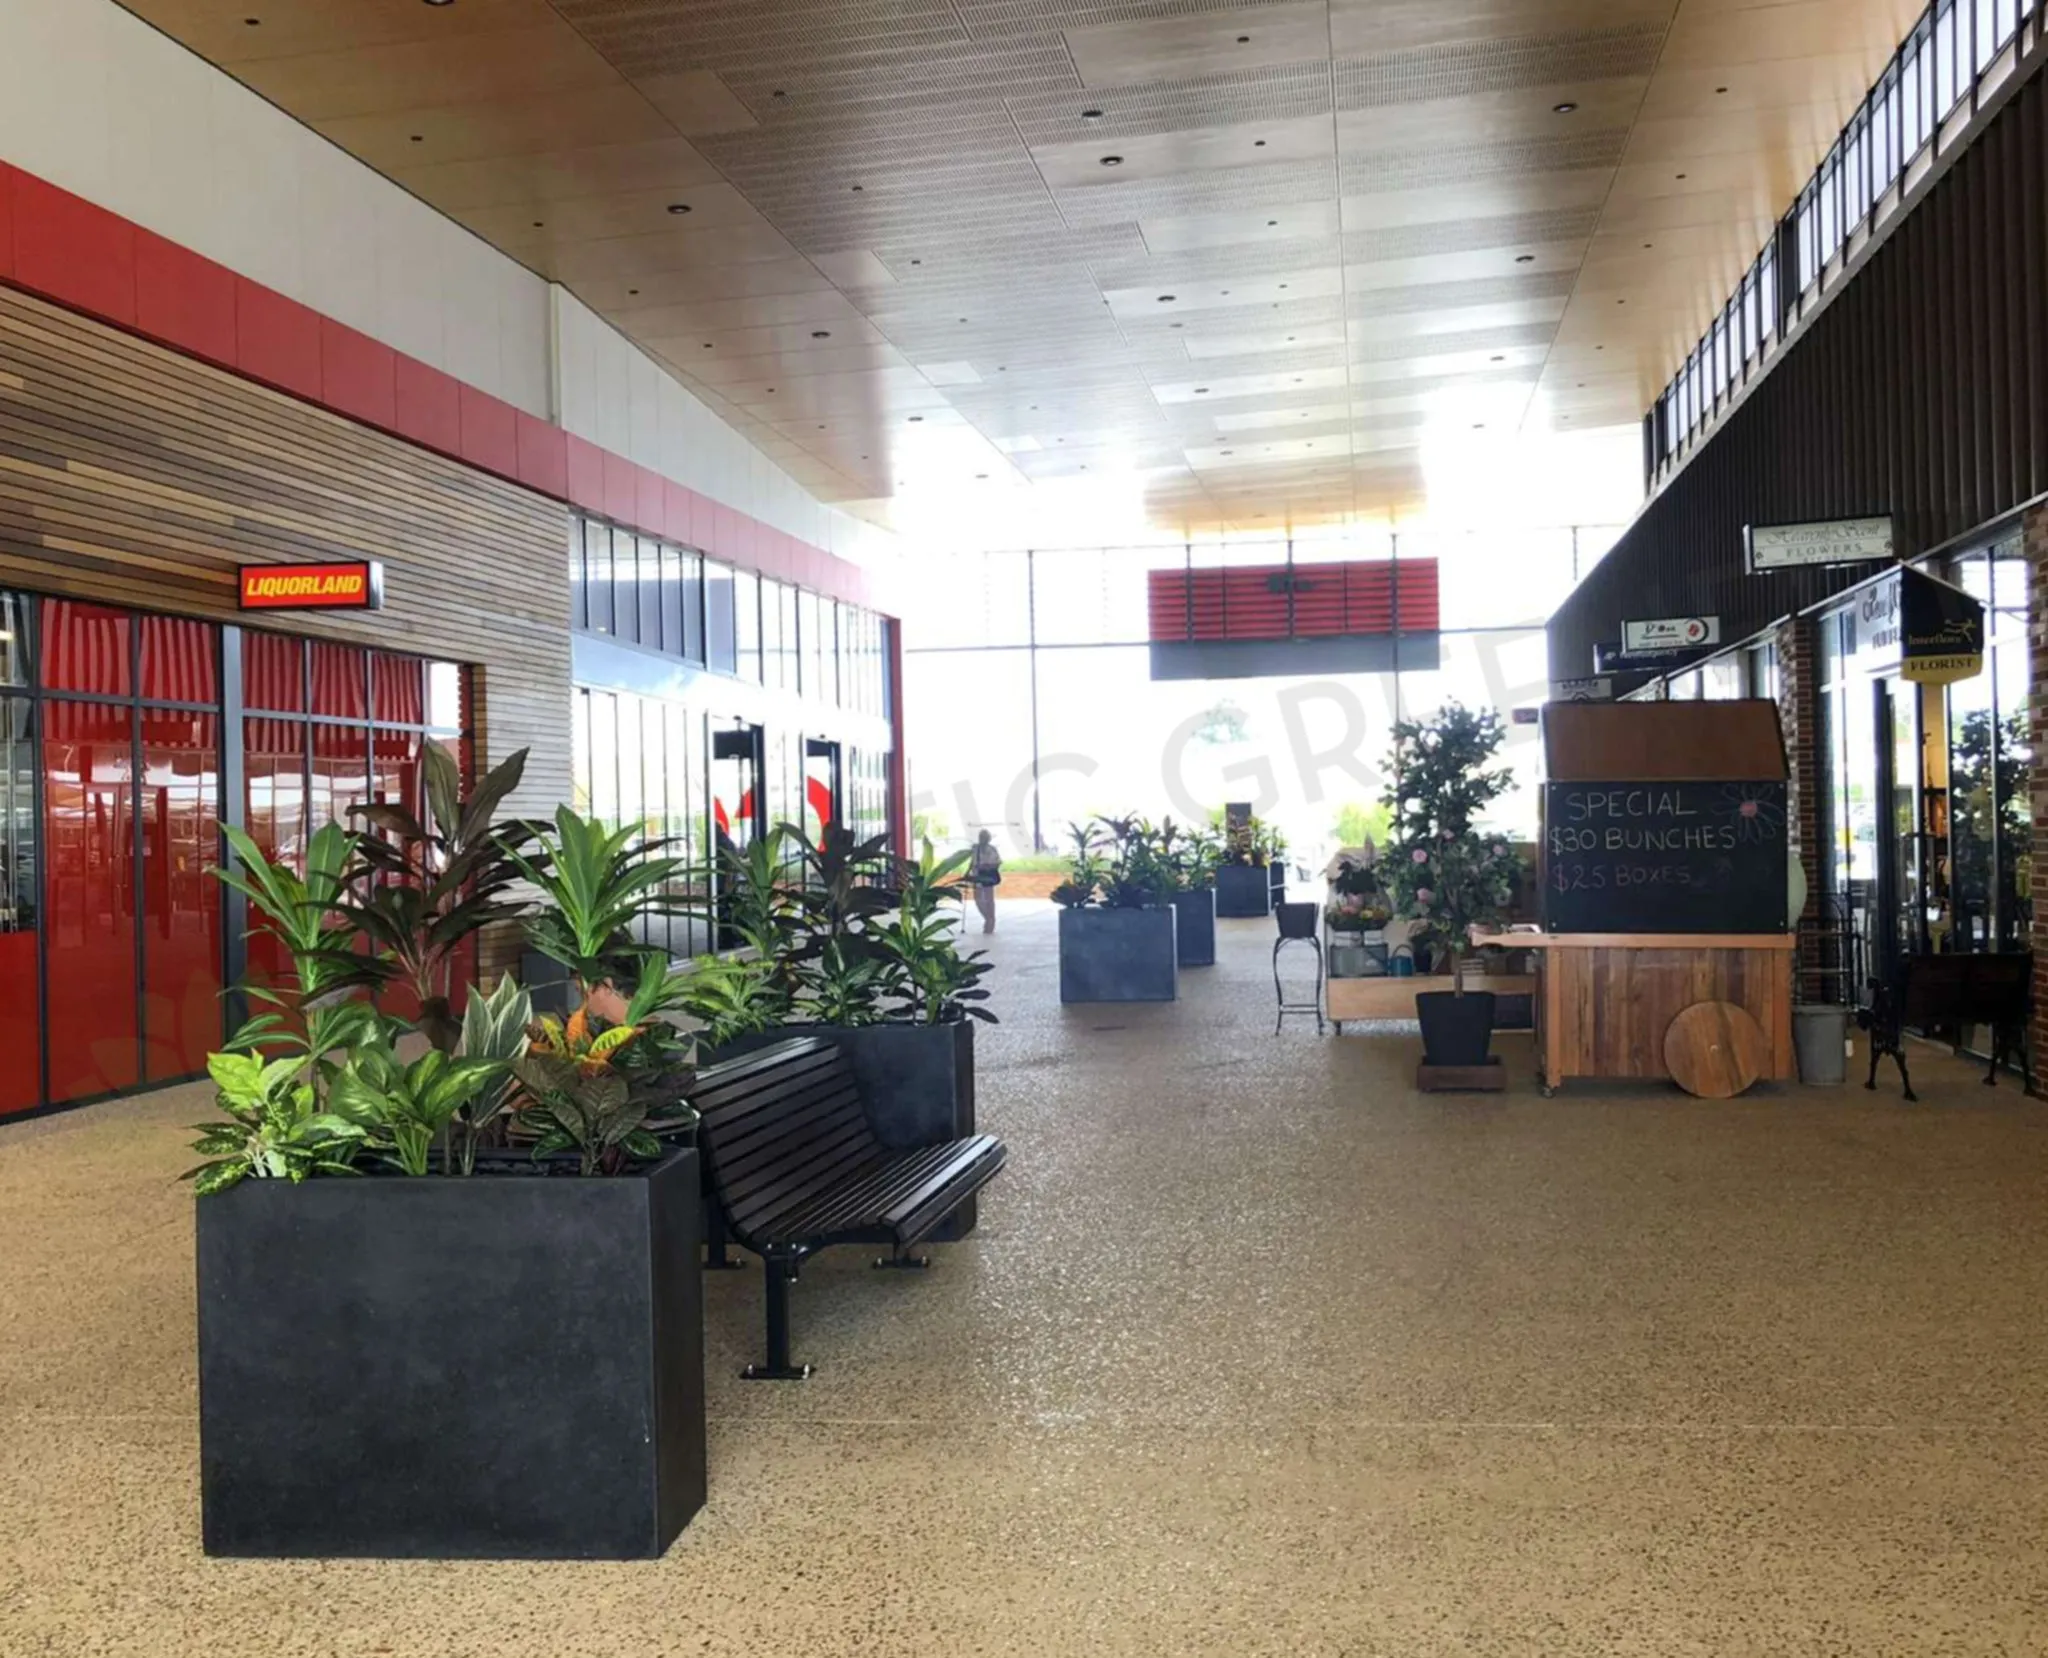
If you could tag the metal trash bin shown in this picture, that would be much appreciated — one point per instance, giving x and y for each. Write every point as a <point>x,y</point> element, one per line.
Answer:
<point>1820,1037</point>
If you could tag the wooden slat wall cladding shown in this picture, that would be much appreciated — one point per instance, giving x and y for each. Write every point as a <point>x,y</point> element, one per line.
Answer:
<point>132,475</point>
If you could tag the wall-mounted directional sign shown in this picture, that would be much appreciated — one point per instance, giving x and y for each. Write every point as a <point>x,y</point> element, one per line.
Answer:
<point>1670,633</point>
<point>1769,547</point>
<point>1599,688</point>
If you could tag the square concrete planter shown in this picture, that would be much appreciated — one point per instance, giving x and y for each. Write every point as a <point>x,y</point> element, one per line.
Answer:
<point>1244,890</point>
<point>1194,928</point>
<point>507,1366</point>
<point>916,1083</point>
<point>1118,955</point>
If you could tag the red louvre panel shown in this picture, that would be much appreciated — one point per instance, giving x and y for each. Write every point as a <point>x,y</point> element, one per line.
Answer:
<point>1166,593</point>
<point>1253,607</point>
<point>1319,607</point>
<point>1418,595</point>
<point>1369,598</point>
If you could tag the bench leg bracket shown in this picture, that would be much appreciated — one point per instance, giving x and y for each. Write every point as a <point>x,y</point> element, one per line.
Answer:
<point>780,1275</point>
<point>899,1262</point>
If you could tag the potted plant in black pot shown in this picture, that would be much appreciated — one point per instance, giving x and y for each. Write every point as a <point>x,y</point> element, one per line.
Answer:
<point>1443,873</point>
<point>1192,855</point>
<point>1117,916</point>
<point>1244,883</point>
<point>862,949</point>
<point>449,1298</point>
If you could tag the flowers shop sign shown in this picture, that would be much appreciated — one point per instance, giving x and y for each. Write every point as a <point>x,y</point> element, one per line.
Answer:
<point>1769,547</point>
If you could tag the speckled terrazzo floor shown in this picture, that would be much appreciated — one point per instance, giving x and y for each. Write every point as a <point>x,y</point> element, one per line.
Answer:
<point>1256,1352</point>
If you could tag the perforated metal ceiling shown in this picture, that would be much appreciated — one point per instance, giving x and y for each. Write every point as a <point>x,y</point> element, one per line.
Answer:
<point>1329,227</point>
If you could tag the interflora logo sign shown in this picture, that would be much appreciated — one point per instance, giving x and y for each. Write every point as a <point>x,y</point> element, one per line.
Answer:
<point>1796,546</point>
<point>356,584</point>
<point>1671,633</point>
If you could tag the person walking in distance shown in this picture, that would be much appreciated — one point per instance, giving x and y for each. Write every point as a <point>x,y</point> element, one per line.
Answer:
<point>986,868</point>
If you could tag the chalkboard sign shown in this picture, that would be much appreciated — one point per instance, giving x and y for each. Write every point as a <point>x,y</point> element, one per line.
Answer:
<point>1664,857</point>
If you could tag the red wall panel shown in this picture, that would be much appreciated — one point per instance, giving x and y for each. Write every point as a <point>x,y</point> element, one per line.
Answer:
<point>73,251</point>
<point>89,916</point>
<point>675,512</point>
<point>586,474</point>
<point>621,488</point>
<point>7,178</point>
<point>429,406</point>
<point>358,375</point>
<point>21,1026</point>
<point>650,508</point>
<point>543,456</point>
<point>181,905</point>
<point>277,340</point>
<point>490,433</point>
<point>184,300</point>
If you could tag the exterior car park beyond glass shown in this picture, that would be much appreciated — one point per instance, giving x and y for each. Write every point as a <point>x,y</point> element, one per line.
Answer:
<point>121,736</point>
<point>712,703</point>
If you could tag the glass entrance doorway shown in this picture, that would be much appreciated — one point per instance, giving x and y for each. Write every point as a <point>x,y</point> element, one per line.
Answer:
<point>823,787</point>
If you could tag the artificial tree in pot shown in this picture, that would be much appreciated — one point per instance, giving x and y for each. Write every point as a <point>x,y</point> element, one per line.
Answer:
<point>1444,873</point>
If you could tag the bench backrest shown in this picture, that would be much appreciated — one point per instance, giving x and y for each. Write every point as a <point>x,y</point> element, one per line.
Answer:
<point>1966,988</point>
<point>779,1126</point>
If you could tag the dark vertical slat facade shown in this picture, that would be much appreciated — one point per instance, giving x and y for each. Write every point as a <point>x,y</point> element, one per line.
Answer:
<point>1920,391</point>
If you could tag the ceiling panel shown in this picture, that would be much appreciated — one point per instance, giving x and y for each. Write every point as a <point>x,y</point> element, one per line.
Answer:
<point>938,243</point>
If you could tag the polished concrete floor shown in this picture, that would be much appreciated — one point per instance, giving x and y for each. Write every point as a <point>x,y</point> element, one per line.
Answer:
<point>1257,1351</point>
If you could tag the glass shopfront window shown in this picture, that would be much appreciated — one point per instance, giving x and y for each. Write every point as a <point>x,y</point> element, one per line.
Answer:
<point>1926,789</point>
<point>113,927</point>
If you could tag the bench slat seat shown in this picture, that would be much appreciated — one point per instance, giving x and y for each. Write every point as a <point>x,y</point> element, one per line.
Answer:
<point>796,1166</point>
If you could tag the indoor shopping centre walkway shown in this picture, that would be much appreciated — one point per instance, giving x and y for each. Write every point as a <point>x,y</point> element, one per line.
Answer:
<point>1257,1351</point>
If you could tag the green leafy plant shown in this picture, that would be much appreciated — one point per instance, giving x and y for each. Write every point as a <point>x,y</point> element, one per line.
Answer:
<point>729,997</point>
<point>843,987</point>
<point>493,1029</point>
<point>1440,869</point>
<point>594,883</point>
<point>319,1008</point>
<point>839,975</point>
<point>271,1125</point>
<point>1086,868</point>
<point>575,1098</point>
<point>1140,875</point>
<point>1191,854</point>
<point>936,982</point>
<point>430,887</point>
<point>410,1108</point>
<point>759,908</point>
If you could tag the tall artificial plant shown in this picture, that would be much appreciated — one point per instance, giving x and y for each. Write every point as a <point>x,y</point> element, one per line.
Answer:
<point>316,1008</point>
<point>936,983</point>
<point>433,884</point>
<point>1442,870</point>
<point>594,883</point>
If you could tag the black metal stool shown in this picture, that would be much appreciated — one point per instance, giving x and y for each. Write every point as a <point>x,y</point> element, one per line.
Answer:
<point>1297,926</point>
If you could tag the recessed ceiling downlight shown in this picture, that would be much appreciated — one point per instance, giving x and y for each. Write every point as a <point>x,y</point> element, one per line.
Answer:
<point>1112,161</point>
<point>1563,109</point>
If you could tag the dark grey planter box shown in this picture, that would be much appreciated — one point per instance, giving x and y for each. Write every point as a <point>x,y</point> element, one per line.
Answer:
<point>1244,890</point>
<point>1117,956</point>
<point>916,1082</point>
<point>498,1367</point>
<point>1194,928</point>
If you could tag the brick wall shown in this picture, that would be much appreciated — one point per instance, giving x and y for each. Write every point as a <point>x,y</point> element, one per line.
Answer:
<point>2034,530</point>
<point>1799,715</point>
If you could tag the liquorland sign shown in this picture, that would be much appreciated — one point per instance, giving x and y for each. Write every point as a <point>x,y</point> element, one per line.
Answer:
<point>1797,546</point>
<point>355,585</point>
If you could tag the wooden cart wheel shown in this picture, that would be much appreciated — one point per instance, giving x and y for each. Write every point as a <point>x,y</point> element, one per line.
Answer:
<point>1715,1050</point>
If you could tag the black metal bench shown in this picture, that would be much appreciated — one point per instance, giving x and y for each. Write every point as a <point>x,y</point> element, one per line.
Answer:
<point>1953,990</point>
<point>795,1166</point>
